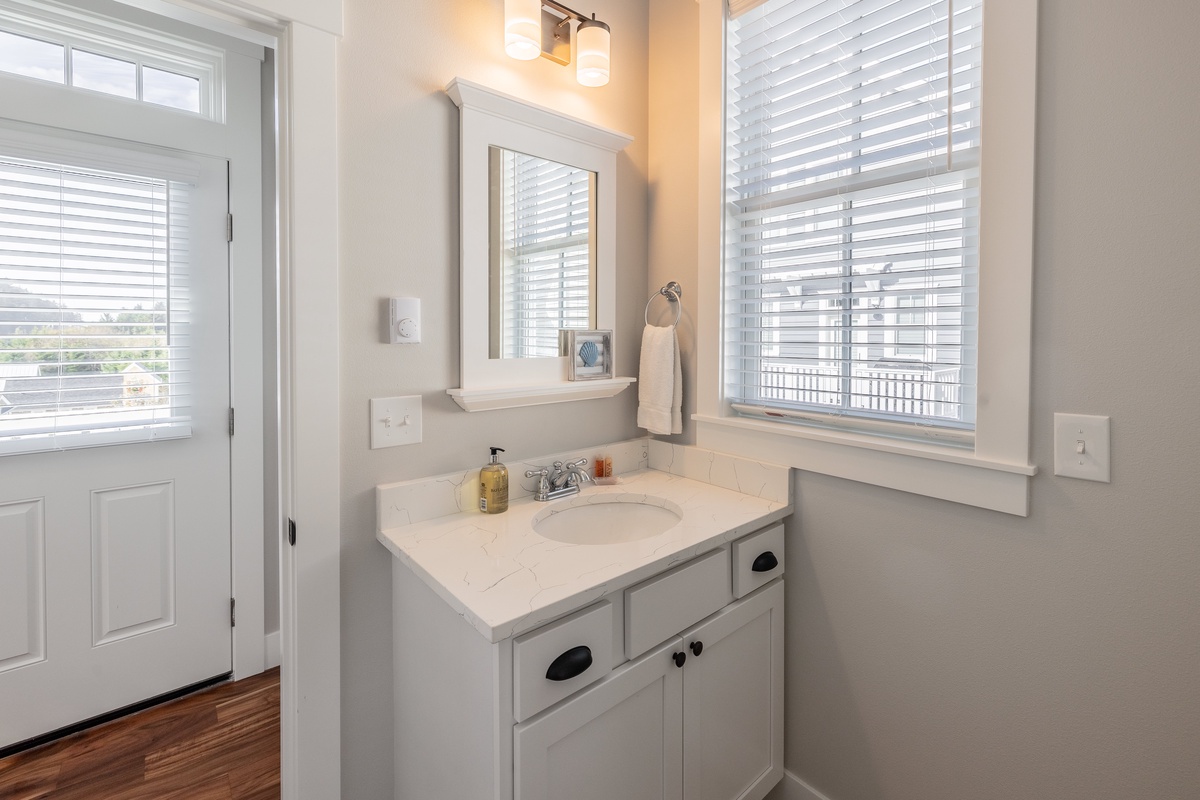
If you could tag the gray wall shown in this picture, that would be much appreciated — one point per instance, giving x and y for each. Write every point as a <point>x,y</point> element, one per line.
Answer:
<point>941,652</point>
<point>398,159</point>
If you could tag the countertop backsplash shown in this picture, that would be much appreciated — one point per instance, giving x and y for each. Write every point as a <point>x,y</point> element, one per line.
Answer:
<point>421,499</point>
<point>759,479</point>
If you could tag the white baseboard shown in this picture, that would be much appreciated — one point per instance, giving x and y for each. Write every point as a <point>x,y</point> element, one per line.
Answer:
<point>273,656</point>
<point>793,788</point>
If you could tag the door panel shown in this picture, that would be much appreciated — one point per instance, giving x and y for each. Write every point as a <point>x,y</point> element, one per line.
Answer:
<point>22,584</point>
<point>133,560</point>
<point>618,739</point>
<point>733,701</point>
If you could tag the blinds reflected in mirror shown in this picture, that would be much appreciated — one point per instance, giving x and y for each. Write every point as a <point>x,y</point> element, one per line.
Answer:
<point>542,253</point>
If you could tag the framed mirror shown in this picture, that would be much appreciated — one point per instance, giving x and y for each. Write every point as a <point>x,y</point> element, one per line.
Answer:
<point>538,217</point>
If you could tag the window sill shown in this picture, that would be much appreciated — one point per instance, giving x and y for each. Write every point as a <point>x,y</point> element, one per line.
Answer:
<point>928,470</point>
<point>78,440</point>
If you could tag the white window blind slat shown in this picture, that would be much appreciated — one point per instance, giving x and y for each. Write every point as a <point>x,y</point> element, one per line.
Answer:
<point>867,101</point>
<point>851,268</point>
<point>92,305</point>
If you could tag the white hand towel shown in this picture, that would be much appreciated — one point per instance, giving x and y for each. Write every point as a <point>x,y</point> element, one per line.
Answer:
<point>660,382</point>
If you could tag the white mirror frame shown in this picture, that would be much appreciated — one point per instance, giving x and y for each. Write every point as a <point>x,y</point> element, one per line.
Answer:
<point>488,118</point>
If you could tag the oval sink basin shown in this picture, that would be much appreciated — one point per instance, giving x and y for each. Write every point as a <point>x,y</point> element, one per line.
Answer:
<point>607,519</point>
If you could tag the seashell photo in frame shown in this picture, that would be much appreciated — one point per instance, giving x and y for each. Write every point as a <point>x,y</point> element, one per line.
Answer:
<point>590,355</point>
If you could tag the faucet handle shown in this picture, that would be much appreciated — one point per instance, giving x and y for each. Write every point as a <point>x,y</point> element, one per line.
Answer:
<point>577,464</point>
<point>543,476</point>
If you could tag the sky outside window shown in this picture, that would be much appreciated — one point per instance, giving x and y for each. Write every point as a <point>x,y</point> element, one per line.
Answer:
<point>32,58</point>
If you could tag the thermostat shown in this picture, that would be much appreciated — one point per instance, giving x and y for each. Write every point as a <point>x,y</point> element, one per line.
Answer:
<point>404,320</point>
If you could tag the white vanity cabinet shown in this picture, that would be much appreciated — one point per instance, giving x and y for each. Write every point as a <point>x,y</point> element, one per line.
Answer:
<point>700,717</point>
<point>679,697</point>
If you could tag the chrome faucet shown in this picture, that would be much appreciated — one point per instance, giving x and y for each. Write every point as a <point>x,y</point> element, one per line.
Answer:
<point>563,481</point>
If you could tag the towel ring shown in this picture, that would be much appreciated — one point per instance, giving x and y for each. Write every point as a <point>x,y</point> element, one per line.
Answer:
<point>672,291</point>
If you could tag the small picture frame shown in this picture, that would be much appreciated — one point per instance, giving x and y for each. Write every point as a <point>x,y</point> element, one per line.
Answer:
<point>590,355</point>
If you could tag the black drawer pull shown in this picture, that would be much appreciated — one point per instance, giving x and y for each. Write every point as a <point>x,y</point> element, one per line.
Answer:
<point>679,658</point>
<point>697,648</point>
<point>571,663</point>
<point>765,562</point>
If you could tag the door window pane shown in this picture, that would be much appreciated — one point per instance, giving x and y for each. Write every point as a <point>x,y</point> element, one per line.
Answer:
<point>93,305</point>
<point>31,57</point>
<point>169,89</point>
<point>103,74</point>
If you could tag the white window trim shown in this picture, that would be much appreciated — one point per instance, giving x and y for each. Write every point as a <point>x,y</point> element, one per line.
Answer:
<point>996,473</point>
<point>94,33</point>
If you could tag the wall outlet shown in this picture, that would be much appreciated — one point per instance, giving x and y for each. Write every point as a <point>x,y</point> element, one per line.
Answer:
<point>1081,447</point>
<point>395,421</point>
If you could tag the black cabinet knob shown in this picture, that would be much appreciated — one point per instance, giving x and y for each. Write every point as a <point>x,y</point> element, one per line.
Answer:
<point>765,562</point>
<point>697,648</point>
<point>679,658</point>
<point>571,663</point>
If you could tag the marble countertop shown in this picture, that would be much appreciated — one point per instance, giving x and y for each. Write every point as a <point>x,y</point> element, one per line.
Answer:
<point>505,579</point>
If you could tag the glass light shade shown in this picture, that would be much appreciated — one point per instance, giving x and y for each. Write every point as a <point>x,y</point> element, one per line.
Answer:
<point>591,53</point>
<point>523,29</point>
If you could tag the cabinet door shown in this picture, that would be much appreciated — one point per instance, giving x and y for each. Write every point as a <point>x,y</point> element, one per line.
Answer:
<point>733,700</point>
<point>618,739</point>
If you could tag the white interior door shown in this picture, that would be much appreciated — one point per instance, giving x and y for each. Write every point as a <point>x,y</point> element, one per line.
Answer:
<point>114,559</point>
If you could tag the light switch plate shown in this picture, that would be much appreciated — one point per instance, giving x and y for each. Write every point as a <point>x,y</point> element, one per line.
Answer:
<point>1081,447</point>
<point>395,421</point>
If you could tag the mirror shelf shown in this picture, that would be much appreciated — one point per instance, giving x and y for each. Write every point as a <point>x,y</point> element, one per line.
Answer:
<point>490,399</point>
<point>492,122</point>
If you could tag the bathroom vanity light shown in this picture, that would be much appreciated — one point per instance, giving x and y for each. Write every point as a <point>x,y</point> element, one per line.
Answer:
<point>535,28</point>
<point>523,29</point>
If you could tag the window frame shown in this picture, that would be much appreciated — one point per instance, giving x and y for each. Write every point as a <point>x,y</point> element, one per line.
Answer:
<point>995,472</point>
<point>88,155</point>
<point>95,34</point>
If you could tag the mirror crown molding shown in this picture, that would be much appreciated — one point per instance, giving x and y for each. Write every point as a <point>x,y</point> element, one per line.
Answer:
<point>467,94</point>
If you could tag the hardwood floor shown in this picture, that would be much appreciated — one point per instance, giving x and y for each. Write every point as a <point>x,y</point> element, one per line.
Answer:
<point>217,744</point>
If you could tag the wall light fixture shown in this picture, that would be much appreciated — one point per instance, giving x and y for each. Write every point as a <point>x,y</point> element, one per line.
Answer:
<point>535,28</point>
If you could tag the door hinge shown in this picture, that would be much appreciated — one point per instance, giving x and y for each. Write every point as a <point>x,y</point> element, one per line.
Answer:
<point>229,227</point>
<point>292,532</point>
<point>232,613</point>
<point>231,422</point>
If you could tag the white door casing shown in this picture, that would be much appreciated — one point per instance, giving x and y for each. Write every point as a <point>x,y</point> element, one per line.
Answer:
<point>304,35</point>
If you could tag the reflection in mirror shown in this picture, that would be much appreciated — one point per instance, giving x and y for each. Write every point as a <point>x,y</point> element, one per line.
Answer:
<point>542,253</point>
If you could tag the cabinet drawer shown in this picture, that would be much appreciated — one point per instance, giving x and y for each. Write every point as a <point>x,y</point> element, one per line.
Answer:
<point>752,558</point>
<point>561,658</point>
<point>663,606</point>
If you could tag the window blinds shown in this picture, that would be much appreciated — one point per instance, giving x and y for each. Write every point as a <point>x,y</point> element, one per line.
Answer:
<point>93,306</point>
<point>852,184</point>
<point>546,251</point>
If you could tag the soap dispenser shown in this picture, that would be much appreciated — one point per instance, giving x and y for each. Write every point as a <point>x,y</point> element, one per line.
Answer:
<point>493,485</point>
